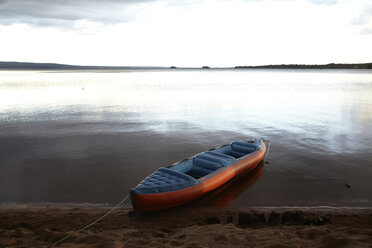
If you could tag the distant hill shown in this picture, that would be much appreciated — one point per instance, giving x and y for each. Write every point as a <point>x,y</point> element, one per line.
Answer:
<point>296,66</point>
<point>53,66</point>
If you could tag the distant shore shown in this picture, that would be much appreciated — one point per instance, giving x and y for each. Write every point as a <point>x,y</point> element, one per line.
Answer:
<point>32,226</point>
<point>299,66</point>
<point>54,66</point>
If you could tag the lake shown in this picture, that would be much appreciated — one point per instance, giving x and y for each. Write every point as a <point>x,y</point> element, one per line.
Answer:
<point>87,137</point>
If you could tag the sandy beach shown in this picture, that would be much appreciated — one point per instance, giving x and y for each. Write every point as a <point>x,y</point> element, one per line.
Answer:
<point>40,226</point>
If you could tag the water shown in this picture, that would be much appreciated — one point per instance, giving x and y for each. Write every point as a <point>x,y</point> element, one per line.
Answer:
<point>88,137</point>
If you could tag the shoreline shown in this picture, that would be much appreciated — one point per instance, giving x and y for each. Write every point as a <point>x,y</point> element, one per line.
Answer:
<point>39,226</point>
<point>127,206</point>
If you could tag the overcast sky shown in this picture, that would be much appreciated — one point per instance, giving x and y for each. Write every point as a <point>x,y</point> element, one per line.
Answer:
<point>186,33</point>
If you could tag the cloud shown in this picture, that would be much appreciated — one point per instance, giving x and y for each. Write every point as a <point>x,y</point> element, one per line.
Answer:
<point>70,13</point>
<point>364,20</point>
<point>66,12</point>
<point>326,2</point>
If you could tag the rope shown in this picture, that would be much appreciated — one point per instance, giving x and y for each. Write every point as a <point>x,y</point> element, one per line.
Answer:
<point>90,224</point>
<point>268,148</point>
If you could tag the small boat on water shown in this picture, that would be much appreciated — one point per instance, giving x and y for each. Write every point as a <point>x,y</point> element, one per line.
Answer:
<point>195,176</point>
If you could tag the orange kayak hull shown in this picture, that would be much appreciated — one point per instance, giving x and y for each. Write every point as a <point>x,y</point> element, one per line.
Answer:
<point>143,203</point>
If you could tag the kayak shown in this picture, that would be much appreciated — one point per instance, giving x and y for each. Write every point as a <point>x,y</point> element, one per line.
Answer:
<point>193,177</point>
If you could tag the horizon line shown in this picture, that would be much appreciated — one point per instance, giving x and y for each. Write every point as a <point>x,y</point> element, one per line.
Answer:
<point>50,65</point>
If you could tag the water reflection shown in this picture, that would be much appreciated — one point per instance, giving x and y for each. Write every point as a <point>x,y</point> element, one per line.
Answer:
<point>222,196</point>
<point>316,104</point>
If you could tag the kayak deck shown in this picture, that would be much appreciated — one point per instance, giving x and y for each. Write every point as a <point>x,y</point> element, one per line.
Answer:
<point>163,180</point>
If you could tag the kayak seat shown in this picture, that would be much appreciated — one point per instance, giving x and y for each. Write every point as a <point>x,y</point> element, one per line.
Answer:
<point>225,157</point>
<point>245,144</point>
<point>240,149</point>
<point>203,165</point>
<point>237,154</point>
<point>164,180</point>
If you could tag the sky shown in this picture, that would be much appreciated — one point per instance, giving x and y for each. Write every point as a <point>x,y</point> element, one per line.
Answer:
<point>193,33</point>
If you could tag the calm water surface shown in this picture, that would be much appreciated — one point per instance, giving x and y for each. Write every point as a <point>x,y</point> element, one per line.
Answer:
<point>88,137</point>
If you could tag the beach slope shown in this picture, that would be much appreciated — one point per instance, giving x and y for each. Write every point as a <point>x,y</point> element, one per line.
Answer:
<point>39,226</point>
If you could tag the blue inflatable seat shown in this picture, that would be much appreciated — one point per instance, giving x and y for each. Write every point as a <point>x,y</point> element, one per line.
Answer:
<point>224,157</point>
<point>240,149</point>
<point>164,180</point>
<point>205,164</point>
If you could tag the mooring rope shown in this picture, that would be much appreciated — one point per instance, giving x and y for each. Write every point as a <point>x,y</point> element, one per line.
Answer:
<point>268,148</point>
<point>90,224</point>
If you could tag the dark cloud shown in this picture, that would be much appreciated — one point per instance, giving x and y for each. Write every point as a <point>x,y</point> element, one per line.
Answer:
<point>67,12</point>
<point>63,12</point>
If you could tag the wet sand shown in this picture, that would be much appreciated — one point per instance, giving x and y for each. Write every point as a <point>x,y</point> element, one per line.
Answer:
<point>40,226</point>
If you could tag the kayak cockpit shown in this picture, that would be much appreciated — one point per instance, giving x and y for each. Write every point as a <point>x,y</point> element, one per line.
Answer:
<point>238,149</point>
<point>206,163</point>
